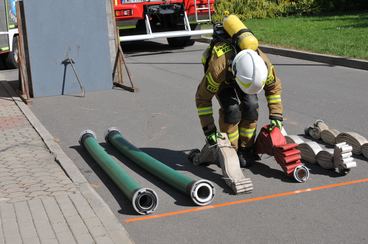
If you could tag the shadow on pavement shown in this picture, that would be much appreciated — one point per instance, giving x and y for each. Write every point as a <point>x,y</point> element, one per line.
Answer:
<point>132,49</point>
<point>124,202</point>
<point>315,169</point>
<point>3,93</point>
<point>126,207</point>
<point>15,84</point>
<point>178,160</point>
<point>145,46</point>
<point>261,168</point>
<point>360,157</point>
<point>180,198</point>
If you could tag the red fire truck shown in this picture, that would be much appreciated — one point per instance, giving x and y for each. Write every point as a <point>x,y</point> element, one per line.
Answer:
<point>176,20</point>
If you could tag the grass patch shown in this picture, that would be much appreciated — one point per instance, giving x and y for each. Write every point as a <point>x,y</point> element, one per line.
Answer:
<point>342,35</point>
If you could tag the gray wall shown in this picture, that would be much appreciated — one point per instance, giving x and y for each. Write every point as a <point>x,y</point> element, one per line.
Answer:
<point>57,29</point>
<point>111,27</point>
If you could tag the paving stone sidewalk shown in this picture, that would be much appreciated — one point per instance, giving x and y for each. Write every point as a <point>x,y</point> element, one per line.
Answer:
<point>39,203</point>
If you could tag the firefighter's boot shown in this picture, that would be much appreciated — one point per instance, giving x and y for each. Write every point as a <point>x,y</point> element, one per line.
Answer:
<point>206,156</point>
<point>247,157</point>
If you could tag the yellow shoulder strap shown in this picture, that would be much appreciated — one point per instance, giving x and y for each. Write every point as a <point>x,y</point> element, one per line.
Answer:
<point>222,49</point>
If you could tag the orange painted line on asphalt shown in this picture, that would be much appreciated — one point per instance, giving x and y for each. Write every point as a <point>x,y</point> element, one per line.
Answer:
<point>247,200</point>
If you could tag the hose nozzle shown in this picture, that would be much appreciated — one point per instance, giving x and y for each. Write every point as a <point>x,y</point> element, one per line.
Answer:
<point>83,135</point>
<point>145,201</point>
<point>301,173</point>
<point>202,192</point>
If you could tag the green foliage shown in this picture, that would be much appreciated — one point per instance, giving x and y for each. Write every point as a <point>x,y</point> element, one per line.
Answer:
<point>342,5</point>
<point>341,35</point>
<point>249,9</point>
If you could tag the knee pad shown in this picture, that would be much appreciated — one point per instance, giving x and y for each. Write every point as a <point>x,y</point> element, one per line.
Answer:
<point>249,108</point>
<point>232,114</point>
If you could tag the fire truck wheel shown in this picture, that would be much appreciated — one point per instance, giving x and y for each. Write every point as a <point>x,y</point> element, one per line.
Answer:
<point>12,60</point>
<point>180,41</point>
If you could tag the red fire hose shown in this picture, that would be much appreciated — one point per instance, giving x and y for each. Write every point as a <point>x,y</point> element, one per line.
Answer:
<point>287,156</point>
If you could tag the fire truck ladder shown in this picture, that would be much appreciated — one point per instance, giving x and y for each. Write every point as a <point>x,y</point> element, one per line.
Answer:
<point>197,11</point>
<point>170,34</point>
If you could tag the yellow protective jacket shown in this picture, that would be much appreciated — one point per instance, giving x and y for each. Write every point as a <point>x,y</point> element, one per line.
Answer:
<point>219,73</point>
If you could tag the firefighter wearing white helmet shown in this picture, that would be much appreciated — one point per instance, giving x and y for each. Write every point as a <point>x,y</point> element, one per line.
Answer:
<point>250,71</point>
<point>236,70</point>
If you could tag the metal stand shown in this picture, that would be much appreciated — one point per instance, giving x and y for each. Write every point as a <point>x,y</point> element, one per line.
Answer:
<point>70,61</point>
<point>118,70</point>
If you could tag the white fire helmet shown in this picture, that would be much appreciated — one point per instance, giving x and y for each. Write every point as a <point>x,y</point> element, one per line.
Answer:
<point>250,71</point>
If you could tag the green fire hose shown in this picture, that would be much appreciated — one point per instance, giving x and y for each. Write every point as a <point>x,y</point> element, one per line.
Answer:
<point>201,191</point>
<point>144,200</point>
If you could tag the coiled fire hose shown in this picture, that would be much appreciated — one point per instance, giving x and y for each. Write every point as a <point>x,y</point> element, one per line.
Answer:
<point>365,150</point>
<point>339,158</point>
<point>320,130</point>
<point>287,156</point>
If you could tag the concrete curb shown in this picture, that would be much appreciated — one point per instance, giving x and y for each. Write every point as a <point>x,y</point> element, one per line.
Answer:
<point>316,57</point>
<point>321,58</point>
<point>116,230</point>
<point>65,162</point>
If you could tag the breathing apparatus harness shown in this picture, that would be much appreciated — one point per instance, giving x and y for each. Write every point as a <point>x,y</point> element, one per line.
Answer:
<point>220,35</point>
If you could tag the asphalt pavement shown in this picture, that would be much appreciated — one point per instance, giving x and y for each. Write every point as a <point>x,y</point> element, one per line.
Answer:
<point>161,119</point>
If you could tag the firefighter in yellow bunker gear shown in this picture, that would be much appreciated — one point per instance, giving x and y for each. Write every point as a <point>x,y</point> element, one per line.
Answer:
<point>236,70</point>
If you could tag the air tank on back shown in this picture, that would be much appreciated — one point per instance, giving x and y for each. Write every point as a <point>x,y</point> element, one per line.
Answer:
<point>246,40</point>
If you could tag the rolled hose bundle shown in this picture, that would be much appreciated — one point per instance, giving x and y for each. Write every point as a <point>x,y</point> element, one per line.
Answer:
<point>329,136</point>
<point>365,150</point>
<point>353,139</point>
<point>293,139</point>
<point>338,158</point>
<point>342,157</point>
<point>309,151</point>
<point>201,191</point>
<point>325,158</point>
<point>144,200</point>
<point>320,130</point>
<point>316,130</point>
